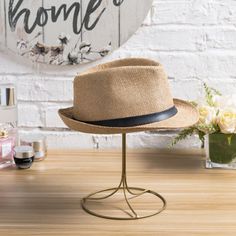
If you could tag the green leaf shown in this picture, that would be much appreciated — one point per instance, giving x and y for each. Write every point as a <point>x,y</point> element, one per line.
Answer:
<point>201,136</point>
<point>229,138</point>
<point>209,94</point>
<point>183,135</point>
<point>200,129</point>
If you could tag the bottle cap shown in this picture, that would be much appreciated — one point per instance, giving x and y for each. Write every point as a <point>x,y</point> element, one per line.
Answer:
<point>8,106</point>
<point>3,134</point>
<point>7,95</point>
<point>22,152</point>
<point>36,141</point>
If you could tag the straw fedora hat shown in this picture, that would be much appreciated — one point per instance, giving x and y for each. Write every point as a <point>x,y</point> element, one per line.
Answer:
<point>124,96</point>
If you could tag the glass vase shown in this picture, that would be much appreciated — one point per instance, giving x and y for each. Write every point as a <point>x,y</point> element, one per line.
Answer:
<point>220,151</point>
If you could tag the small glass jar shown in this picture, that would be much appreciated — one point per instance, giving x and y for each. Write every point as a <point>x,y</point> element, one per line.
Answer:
<point>23,157</point>
<point>38,143</point>
<point>7,143</point>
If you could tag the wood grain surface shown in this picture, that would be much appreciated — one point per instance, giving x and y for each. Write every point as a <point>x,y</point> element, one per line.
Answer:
<point>45,200</point>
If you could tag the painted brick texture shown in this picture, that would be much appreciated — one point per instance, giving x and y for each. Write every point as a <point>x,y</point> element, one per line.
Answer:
<point>195,40</point>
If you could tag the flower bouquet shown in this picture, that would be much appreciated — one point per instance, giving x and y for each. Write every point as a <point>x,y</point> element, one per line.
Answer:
<point>216,129</point>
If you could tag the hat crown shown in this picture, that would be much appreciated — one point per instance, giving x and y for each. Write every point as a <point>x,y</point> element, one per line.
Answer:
<point>121,89</point>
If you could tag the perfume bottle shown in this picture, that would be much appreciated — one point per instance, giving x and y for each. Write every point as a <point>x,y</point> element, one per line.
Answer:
<point>7,144</point>
<point>8,124</point>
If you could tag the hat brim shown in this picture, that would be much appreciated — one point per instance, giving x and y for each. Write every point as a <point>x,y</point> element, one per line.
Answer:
<point>187,116</point>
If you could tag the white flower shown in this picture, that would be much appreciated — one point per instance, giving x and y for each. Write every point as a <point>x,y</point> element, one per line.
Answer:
<point>223,102</point>
<point>85,47</point>
<point>227,121</point>
<point>105,51</point>
<point>232,101</point>
<point>73,58</point>
<point>63,38</point>
<point>207,119</point>
<point>218,101</point>
<point>207,115</point>
<point>22,44</point>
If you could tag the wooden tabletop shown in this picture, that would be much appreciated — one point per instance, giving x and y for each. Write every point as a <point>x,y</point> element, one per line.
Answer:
<point>45,200</point>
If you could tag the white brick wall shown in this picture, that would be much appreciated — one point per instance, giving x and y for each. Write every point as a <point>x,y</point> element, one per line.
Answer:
<point>194,39</point>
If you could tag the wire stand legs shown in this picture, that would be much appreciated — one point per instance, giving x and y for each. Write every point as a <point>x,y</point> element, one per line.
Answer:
<point>129,193</point>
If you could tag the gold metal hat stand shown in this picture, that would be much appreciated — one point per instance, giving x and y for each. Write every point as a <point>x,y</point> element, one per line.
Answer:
<point>133,192</point>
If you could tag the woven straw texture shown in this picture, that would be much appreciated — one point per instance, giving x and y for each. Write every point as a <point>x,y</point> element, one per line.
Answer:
<point>121,89</point>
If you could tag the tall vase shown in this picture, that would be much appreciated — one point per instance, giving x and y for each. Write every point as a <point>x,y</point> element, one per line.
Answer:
<point>220,151</point>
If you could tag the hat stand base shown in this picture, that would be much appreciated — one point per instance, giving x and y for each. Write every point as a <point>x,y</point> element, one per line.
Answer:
<point>128,193</point>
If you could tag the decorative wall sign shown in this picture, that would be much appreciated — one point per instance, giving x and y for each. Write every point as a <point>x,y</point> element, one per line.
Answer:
<point>70,32</point>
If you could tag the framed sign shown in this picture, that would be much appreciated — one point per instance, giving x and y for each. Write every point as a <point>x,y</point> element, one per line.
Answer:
<point>68,32</point>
